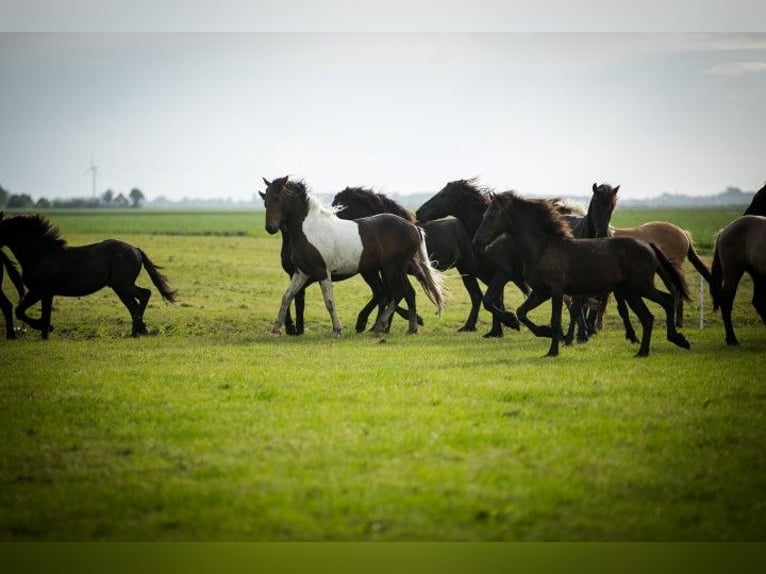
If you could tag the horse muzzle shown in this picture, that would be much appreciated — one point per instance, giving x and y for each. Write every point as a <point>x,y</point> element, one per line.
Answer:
<point>272,227</point>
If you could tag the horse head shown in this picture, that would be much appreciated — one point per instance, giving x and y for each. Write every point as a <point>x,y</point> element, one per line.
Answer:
<point>276,199</point>
<point>602,204</point>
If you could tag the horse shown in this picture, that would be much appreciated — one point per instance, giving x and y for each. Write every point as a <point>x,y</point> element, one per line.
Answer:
<point>297,327</point>
<point>676,243</point>
<point>758,203</point>
<point>739,248</point>
<point>556,263</point>
<point>5,304</point>
<point>466,201</point>
<point>447,241</point>
<point>322,246</point>
<point>50,267</point>
<point>592,225</point>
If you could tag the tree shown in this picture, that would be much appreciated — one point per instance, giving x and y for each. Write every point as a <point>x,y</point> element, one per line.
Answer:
<point>4,193</point>
<point>43,203</point>
<point>20,201</point>
<point>136,196</point>
<point>107,196</point>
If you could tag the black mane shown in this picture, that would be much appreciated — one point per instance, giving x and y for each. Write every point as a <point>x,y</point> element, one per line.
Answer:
<point>375,202</point>
<point>544,214</point>
<point>36,227</point>
<point>472,192</point>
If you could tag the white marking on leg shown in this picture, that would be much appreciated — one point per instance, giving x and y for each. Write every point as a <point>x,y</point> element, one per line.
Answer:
<point>327,294</point>
<point>297,281</point>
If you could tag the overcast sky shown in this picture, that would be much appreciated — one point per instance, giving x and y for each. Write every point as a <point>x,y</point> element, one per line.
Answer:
<point>207,115</point>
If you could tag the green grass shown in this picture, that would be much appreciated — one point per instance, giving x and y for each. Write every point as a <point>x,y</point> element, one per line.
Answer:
<point>209,429</point>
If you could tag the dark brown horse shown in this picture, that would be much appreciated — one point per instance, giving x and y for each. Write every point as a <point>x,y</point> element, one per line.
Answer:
<point>447,241</point>
<point>740,248</point>
<point>5,304</point>
<point>50,267</point>
<point>555,263</point>
<point>499,264</point>
<point>322,246</point>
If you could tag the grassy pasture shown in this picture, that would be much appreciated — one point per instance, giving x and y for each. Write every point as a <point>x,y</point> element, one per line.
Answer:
<point>209,429</point>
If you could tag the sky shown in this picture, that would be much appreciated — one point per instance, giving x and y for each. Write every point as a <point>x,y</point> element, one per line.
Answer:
<point>207,115</point>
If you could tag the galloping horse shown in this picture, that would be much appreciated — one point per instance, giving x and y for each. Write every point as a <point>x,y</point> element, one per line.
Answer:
<point>447,241</point>
<point>5,304</point>
<point>322,246</point>
<point>50,267</point>
<point>739,248</point>
<point>555,263</point>
<point>500,263</point>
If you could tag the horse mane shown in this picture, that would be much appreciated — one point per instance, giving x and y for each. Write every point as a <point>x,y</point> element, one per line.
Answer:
<point>472,192</point>
<point>568,207</point>
<point>37,227</point>
<point>542,214</point>
<point>377,202</point>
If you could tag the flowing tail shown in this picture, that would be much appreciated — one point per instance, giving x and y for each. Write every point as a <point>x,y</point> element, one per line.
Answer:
<point>695,260</point>
<point>13,273</point>
<point>430,279</point>
<point>670,274</point>
<point>716,279</point>
<point>159,280</point>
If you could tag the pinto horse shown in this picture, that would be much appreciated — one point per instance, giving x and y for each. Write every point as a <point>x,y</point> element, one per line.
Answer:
<point>50,267</point>
<point>448,243</point>
<point>740,247</point>
<point>5,304</point>
<point>322,246</point>
<point>556,263</point>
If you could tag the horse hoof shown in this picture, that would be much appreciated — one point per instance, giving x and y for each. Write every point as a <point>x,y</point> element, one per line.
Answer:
<point>552,354</point>
<point>419,319</point>
<point>276,333</point>
<point>510,321</point>
<point>680,341</point>
<point>732,342</point>
<point>290,330</point>
<point>413,331</point>
<point>337,332</point>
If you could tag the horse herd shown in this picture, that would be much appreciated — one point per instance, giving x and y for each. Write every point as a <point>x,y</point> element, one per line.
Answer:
<point>548,249</point>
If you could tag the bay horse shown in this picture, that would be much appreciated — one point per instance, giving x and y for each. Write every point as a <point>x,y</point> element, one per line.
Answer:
<point>676,243</point>
<point>555,263</point>
<point>447,241</point>
<point>322,246</point>
<point>740,247</point>
<point>466,201</point>
<point>50,267</point>
<point>5,304</point>
<point>758,203</point>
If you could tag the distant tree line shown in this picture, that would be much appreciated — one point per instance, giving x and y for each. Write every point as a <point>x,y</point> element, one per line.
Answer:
<point>107,199</point>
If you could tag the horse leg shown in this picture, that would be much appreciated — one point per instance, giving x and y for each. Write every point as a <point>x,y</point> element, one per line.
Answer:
<point>533,300</point>
<point>329,302</point>
<point>135,304</point>
<point>556,303</point>
<point>297,281</point>
<point>47,305</point>
<point>409,297</point>
<point>666,301</point>
<point>622,310</point>
<point>645,317</point>
<point>7,308</point>
<point>678,304</point>
<point>576,317</point>
<point>26,302</point>
<point>494,303</point>
<point>759,294</point>
<point>296,328</point>
<point>474,293</point>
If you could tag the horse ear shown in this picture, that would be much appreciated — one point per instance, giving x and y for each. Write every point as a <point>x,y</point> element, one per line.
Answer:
<point>266,181</point>
<point>615,189</point>
<point>263,195</point>
<point>595,187</point>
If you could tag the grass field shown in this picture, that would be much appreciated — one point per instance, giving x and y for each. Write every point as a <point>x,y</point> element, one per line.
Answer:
<point>209,429</point>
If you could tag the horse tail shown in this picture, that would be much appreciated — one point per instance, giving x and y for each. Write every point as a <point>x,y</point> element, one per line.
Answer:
<point>430,278</point>
<point>695,260</point>
<point>159,280</point>
<point>716,279</point>
<point>13,273</point>
<point>671,275</point>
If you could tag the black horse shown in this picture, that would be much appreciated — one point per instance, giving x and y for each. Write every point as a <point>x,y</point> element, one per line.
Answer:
<point>556,263</point>
<point>323,246</point>
<point>447,241</point>
<point>499,264</point>
<point>5,304</point>
<point>50,267</point>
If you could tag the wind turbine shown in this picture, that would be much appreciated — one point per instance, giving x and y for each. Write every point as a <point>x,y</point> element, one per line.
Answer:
<point>92,170</point>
